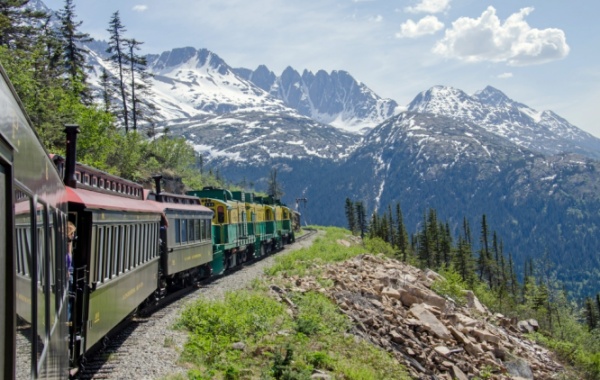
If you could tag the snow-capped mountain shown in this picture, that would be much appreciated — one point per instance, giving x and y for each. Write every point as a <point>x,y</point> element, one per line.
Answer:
<point>334,98</point>
<point>491,109</point>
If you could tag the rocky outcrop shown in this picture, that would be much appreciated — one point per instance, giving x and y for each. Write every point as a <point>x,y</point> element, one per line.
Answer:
<point>392,305</point>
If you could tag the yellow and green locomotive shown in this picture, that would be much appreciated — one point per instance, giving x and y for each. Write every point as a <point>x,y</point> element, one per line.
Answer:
<point>244,226</point>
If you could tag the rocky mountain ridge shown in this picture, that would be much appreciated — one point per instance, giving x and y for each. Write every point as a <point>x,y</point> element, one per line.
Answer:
<point>544,131</point>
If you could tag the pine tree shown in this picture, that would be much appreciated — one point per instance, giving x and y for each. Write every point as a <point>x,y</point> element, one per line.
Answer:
<point>361,218</point>
<point>118,56</point>
<point>18,24</point>
<point>106,89</point>
<point>401,233</point>
<point>425,249</point>
<point>141,108</point>
<point>350,216</point>
<point>374,226</point>
<point>590,314</point>
<point>445,244</point>
<point>514,284</point>
<point>73,53</point>
<point>484,253</point>
<point>391,229</point>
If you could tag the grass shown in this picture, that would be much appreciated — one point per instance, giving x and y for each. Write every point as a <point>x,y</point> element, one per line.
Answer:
<point>250,335</point>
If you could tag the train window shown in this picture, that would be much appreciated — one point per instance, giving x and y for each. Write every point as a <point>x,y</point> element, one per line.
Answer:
<point>183,231</point>
<point>220,214</point>
<point>107,253</point>
<point>119,251</point>
<point>142,243</point>
<point>52,265</point>
<point>198,229</point>
<point>136,240</point>
<point>94,181</point>
<point>5,300</point>
<point>100,239</point>
<point>43,295</point>
<point>24,296</point>
<point>86,179</point>
<point>191,230</point>
<point>78,176</point>
<point>115,252</point>
<point>126,248</point>
<point>177,231</point>
<point>154,242</point>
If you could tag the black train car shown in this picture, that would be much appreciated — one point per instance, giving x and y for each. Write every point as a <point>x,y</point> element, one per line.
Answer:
<point>33,276</point>
<point>116,256</point>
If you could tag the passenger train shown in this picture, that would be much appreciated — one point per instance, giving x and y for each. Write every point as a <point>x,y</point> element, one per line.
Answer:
<point>132,246</point>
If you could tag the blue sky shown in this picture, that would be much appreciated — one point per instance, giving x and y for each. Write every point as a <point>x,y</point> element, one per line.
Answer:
<point>543,53</point>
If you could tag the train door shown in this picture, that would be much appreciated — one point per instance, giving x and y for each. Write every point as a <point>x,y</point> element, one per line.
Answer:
<point>7,273</point>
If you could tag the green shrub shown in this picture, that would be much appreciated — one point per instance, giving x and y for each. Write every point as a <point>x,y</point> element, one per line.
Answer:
<point>216,325</point>
<point>317,314</point>
<point>451,286</point>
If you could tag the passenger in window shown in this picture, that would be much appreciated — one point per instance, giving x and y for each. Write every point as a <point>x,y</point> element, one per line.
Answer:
<point>69,261</point>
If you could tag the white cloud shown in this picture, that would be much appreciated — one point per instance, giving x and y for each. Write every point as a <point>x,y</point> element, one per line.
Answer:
<point>505,75</point>
<point>426,25</point>
<point>430,6</point>
<point>140,8</point>
<point>513,42</point>
<point>378,18</point>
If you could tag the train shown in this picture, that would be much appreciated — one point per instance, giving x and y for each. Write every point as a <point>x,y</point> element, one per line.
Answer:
<point>131,247</point>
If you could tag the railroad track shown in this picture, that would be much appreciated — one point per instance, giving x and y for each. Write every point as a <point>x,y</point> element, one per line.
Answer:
<point>117,348</point>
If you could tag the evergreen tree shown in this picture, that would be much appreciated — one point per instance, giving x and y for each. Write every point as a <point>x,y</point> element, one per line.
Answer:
<point>484,253</point>
<point>374,226</point>
<point>467,232</point>
<point>118,55</point>
<point>19,26</point>
<point>361,218</point>
<point>106,89</point>
<point>463,260</point>
<point>514,284</point>
<point>425,243</point>
<point>445,244</point>
<point>391,230</point>
<point>590,314</point>
<point>73,53</point>
<point>350,216</point>
<point>141,108</point>
<point>401,233</point>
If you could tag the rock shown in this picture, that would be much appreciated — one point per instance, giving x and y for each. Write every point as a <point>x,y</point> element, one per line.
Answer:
<point>458,374</point>
<point>238,346</point>
<point>430,322</point>
<point>519,367</point>
<point>473,302</point>
<point>528,326</point>
<point>391,292</point>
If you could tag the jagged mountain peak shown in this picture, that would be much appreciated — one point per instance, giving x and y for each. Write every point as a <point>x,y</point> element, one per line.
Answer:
<point>191,58</point>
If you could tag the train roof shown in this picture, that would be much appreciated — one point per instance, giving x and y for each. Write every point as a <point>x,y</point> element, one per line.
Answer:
<point>177,202</point>
<point>102,201</point>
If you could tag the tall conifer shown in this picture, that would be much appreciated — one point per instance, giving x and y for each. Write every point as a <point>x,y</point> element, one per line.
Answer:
<point>73,53</point>
<point>118,55</point>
